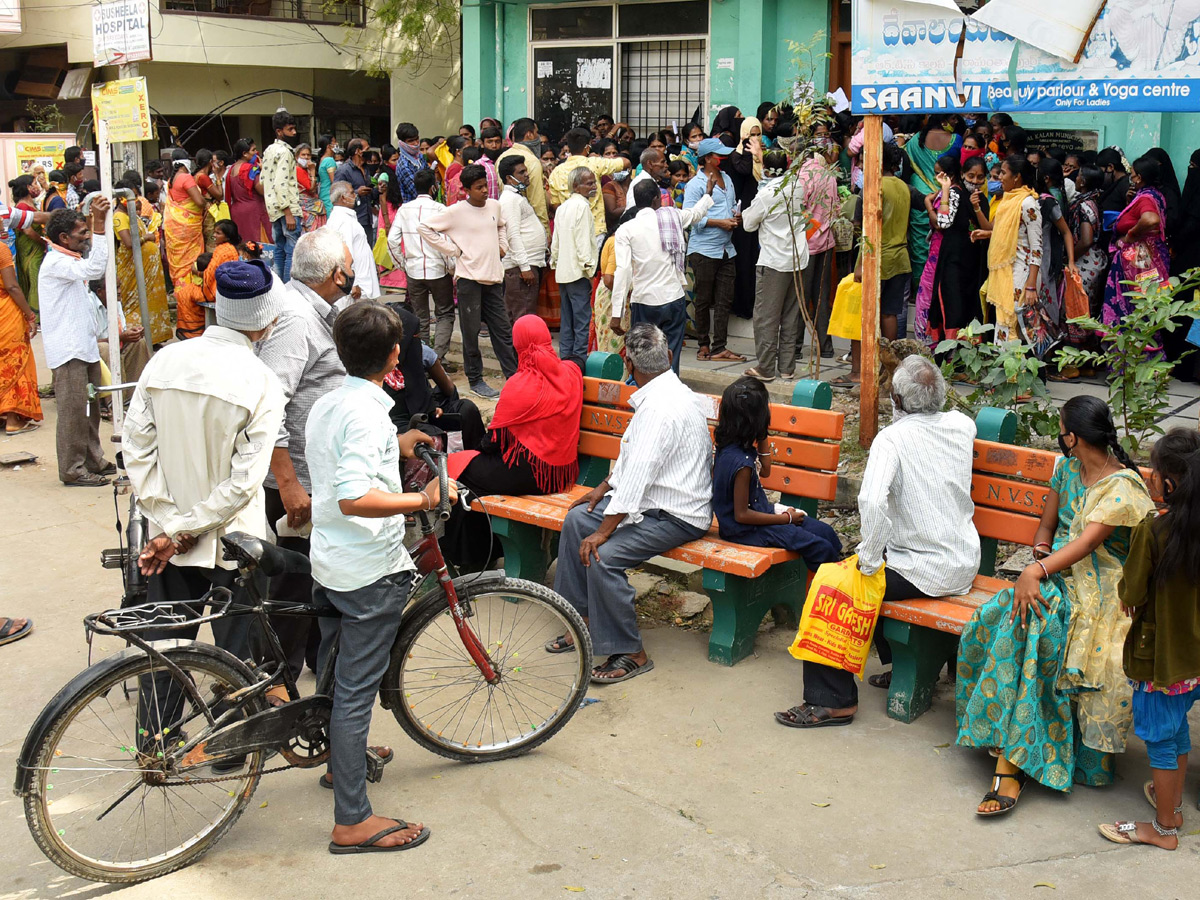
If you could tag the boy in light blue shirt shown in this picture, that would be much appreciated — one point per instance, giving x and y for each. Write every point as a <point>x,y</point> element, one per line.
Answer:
<point>359,562</point>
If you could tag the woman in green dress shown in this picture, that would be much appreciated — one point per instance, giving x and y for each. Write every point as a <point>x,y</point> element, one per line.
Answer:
<point>31,246</point>
<point>939,136</point>
<point>1040,677</point>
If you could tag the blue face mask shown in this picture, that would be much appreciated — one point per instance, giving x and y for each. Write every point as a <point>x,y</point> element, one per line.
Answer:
<point>995,187</point>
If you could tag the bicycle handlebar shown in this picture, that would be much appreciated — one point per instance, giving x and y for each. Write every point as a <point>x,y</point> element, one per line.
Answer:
<point>437,462</point>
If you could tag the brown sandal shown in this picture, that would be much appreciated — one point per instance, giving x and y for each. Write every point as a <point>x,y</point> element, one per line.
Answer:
<point>728,356</point>
<point>703,355</point>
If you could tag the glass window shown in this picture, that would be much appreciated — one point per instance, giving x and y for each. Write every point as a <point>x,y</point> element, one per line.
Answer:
<point>571,23</point>
<point>650,19</point>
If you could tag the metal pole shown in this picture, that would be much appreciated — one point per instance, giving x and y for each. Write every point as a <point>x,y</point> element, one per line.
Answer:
<point>104,160</point>
<point>135,235</point>
<point>868,400</point>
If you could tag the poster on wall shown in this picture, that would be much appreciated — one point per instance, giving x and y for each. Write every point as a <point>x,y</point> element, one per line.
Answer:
<point>1133,56</point>
<point>125,108</point>
<point>45,153</point>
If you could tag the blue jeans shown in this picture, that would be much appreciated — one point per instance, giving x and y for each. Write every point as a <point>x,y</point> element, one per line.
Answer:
<point>670,318</point>
<point>576,317</point>
<point>601,592</point>
<point>285,245</point>
<point>366,631</point>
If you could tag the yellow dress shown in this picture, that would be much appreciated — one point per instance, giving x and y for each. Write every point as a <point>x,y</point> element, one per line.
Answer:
<point>1092,668</point>
<point>161,328</point>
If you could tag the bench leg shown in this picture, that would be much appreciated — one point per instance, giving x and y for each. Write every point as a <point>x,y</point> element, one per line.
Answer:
<point>524,554</point>
<point>918,655</point>
<point>739,605</point>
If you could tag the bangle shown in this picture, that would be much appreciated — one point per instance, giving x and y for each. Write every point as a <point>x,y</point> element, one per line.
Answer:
<point>428,500</point>
<point>1045,571</point>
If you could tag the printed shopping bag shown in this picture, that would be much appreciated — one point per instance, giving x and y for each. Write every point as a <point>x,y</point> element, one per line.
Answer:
<point>845,319</point>
<point>1075,301</point>
<point>839,616</point>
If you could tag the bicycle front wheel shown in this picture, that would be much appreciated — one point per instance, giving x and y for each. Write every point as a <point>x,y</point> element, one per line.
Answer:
<point>446,705</point>
<point>106,803</point>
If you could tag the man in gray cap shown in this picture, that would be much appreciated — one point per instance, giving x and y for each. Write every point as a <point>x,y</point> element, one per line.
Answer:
<point>197,445</point>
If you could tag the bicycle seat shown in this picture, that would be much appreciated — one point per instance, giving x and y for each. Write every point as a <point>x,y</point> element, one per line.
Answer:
<point>254,553</point>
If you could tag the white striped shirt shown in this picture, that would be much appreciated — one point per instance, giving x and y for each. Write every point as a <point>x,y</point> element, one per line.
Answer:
<point>666,456</point>
<point>915,502</point>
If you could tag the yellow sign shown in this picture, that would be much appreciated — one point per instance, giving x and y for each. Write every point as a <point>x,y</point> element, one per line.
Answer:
<point>125,108</point>
<point>47,154</point>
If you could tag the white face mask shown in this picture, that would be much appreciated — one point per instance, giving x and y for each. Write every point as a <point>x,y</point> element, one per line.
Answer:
<point>693,145</point>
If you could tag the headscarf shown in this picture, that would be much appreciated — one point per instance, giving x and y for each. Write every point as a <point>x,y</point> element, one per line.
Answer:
<point>724,121</point>
<point>748,125</point>
<point>1002,249</point>
<point>537,416</point>
<point>968,153</point>
<point>1187,246</point>
<point>1169,187</point>
<point>408,384</point>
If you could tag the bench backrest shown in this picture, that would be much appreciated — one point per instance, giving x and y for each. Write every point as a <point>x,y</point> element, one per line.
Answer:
<point>806,434</point>
<point>1009,485</point>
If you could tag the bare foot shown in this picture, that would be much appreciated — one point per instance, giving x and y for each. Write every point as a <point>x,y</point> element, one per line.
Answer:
<point>349,835</point>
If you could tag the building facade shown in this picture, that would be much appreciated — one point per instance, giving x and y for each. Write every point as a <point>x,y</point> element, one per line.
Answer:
<point>307,55</point>
<point>652,63</point>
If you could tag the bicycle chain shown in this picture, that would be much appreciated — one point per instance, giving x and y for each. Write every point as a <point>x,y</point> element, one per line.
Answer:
<point>239,777</point>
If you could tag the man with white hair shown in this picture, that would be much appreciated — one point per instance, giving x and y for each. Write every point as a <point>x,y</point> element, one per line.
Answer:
<point>301,353</point>
<point>573,258</point>
<point>344,221</point>
<point>658,496</point>
<point>915,506</point>
<point>197,444</point>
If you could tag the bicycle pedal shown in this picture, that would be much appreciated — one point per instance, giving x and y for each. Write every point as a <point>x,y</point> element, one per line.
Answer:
<point>374,767</point>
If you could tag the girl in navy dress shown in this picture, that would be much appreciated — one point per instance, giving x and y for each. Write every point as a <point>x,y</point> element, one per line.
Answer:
<point>744,514</point>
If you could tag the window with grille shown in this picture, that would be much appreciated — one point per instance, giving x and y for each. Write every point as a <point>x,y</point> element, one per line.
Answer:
<point>657,69</point>
<point>662,82</point>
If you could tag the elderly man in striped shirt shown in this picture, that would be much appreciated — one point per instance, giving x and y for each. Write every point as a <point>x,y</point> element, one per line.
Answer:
<point>658,496</point>
<point>915,506</point>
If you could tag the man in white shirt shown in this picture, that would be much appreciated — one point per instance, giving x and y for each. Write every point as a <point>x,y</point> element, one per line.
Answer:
<point>344,221</point>
<point>915,505</point>
<point>197,445</point>
<point>658,496</point>
<point>650,253</point>
<point>779,217</point>
<point>573,258</point>
<point>427,269</point>
<point>70,339</point>
<point>526,256</point>
<point>654,170</point>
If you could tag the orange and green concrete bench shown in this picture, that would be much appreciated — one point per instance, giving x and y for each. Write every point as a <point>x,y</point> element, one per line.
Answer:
<point>1009,485</point>
<point>744,583</point>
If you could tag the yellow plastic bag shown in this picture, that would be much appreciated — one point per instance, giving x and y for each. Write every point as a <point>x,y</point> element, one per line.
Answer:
<point>839,617</point>
<point>220,211</point>
<point>845,319</point>
<point>381,251</point>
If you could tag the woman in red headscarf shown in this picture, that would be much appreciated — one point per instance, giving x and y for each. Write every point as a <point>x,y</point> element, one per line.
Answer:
<point>532,442</point>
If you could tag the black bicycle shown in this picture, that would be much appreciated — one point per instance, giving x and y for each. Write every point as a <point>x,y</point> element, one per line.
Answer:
<point>126,785</point>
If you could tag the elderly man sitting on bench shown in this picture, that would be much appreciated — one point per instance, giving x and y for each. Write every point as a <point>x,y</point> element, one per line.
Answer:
<point>915,506</point>
<point>658,496</point>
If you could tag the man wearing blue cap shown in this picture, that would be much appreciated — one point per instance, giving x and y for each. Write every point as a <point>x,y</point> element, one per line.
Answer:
<point>711,252</point>
<point>197,445</point>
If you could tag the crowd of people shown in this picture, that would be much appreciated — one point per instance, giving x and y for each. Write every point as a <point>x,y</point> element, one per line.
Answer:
<point>282,399</point>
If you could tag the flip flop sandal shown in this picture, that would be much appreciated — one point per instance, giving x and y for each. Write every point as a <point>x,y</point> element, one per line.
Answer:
<point>1126,832</point>
<point>883,680</point>
<point>728,356</point>
<point>325,783</point>
<point>9,632</point>
<point>1007,804</point>
<point>1148,790</point>
<point>368,846</point>
<point>809,716</point>
<point>703,354</point>
<point>559,645</point>
<point>28,426</point>
<point>626,663</point>
<point>842,383</point>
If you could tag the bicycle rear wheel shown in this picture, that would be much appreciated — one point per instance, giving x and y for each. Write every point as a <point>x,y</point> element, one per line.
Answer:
<point>446,705</point>
<point>105,804</point>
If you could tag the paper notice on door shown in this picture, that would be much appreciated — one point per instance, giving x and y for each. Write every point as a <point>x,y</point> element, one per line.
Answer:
<point>594,73</point>
<point>545,68</point>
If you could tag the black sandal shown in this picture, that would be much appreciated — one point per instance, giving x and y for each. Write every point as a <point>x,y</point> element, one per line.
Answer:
<point>560,645</point>
<point>9,631</point>
<point>626,664</point>
<point>883,680</point>
<point>1007,804</point>
<point>808,716</point>
<point>368,846</point>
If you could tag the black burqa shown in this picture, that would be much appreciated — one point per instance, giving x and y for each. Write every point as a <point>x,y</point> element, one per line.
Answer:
<point>1186,249</point>
<point>740,168</point>
<point>726,121</point>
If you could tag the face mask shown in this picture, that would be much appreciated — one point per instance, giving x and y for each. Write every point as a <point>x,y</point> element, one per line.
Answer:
<point>995,187</point>
<point>291,139</point>
<point>521,188</point>
<point>535,146</point>
<point>1062,445</point>
<point>493,155</point>
<point>620,176</point>
<point>346,286</point>
<point>693,145</point>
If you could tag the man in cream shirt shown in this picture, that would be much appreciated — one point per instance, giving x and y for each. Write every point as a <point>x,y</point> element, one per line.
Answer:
<point>198,439</point>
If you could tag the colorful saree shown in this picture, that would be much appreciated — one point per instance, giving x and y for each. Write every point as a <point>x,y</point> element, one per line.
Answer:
<point>18,371</point>
<point>156,288</point>
<point>30,254</point>
<point>183,228</point>
<point>924,180</point>
<point>1147,258</point>
<point>189,295</point>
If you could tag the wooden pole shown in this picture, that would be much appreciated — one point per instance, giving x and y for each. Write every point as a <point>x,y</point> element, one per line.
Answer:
<point>868,402</point>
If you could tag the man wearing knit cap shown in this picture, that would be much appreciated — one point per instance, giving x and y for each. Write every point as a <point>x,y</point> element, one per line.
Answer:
<point>197,444</point>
